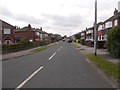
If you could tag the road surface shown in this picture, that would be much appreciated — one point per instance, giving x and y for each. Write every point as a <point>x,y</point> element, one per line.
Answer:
<point>61,66</point>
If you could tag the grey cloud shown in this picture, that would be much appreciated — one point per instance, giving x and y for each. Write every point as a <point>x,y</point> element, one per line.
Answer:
<point>4,11</point>
<point>65,21</point>
<point>21,17</point>
<point>29,19</point>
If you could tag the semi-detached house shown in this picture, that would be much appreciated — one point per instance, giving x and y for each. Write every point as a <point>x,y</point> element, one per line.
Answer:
<point>105,26</point>
<point>7,32</point>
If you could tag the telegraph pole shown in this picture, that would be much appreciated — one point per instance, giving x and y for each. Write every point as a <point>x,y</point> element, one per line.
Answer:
<point>95,30</point>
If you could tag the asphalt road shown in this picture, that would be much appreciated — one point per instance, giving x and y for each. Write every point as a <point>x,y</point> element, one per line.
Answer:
<point>61,66</point>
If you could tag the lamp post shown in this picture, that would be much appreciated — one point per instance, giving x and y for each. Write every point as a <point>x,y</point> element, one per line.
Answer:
<point>95,30</point>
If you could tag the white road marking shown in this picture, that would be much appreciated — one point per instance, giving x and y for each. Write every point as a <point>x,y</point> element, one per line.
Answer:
<point>58,49</point>
<point>52,56</point>
<point>30,77</point>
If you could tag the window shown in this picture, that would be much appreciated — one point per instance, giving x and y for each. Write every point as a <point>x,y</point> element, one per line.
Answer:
<point>6,31</point>
<point>100,27</point>
<point>37,33</point>
<point>115,23</point>
<point>108,24</point>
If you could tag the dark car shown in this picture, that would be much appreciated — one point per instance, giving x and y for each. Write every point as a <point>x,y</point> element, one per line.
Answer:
<point>69,41</point>
<point>63,39</point>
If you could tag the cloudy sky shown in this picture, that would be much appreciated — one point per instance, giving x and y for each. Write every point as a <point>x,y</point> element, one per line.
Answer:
<point>65,17</point>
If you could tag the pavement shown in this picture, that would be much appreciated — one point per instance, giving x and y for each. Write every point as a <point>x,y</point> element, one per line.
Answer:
<point>101,52</point>
<point>60,66</point>
<point>20,53</point>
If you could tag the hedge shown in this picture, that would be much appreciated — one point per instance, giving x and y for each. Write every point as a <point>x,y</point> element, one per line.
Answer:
<point>14,47</point>
<point>113,43</point>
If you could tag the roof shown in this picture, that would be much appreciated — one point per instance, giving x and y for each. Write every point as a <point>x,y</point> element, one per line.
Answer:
<point>5,24</point>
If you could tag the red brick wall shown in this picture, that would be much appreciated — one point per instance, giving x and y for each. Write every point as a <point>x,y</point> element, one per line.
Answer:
<point>27,35</point>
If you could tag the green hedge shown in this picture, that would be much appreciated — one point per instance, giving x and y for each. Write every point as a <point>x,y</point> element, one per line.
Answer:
<point>113,43</point>
<point>14,47</point>
<point>82,41</point>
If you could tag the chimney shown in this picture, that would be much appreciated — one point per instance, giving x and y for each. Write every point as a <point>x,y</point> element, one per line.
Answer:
<point>116,11</point>
<point>29,26</point>
<point>41,28</point>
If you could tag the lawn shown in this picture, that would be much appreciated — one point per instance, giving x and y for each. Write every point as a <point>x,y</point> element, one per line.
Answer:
<point>108,67</point>
<point>76,46</point>
<point>39,49</point>
<point>42,48</point>
<point>82,49</point>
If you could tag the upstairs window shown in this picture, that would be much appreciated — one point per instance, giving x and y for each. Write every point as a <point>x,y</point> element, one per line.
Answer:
<point>108,24</point>
<point>7,31</point>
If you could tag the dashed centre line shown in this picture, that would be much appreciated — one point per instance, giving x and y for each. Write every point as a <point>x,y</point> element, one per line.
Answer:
<point>34,73</point>
<point>52,56</point>
<point>58,49</point>
<point>30,77</point>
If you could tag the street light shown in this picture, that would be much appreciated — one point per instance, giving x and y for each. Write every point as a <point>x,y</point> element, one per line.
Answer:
<point>95,30</point>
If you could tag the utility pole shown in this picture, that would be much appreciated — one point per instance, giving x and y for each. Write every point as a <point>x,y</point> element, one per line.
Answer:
<point>95,30</point>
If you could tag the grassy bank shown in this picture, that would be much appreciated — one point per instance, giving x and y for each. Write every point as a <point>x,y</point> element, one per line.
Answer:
<point>108,67</point>
<point>76,46</point>
<point>42,48</point>
<point>38,49</point>
<point>82,49</point>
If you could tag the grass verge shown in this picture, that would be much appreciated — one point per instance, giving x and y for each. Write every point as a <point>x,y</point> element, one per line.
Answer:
<point>76,46</point>
<point>39,49</point>
<point>82,49</point>
<point>108,67</point>
<point>42,48</point>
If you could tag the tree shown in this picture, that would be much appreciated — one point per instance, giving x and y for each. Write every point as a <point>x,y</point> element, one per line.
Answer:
<point>77,36</point>
<point>113,43</point>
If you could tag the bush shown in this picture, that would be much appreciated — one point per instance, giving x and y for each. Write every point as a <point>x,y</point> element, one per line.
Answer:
<point>113,43</point>
<point>82,41</point>
<point>42,43</point>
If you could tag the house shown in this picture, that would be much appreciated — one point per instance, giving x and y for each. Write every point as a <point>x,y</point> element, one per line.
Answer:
<point>101,35</point>
<point>7,33</point>
<point>83,37</point>
<point>27,33</point>
<point>105,26</point>
<point>89,36</point>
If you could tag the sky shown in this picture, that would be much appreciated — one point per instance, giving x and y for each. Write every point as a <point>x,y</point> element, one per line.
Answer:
<point>64,17</point>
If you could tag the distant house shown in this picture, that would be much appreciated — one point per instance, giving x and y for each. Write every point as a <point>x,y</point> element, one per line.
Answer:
<point>83,37</point>
<point>27,33</point>
<point>89,36</point>
<point>7,33</point>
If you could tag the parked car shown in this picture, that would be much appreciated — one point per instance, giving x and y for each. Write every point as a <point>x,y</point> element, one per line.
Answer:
<point>63,39</point>
<point>69,41</point>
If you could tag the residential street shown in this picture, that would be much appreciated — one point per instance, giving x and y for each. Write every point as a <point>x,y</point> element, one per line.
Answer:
<point>60,66</point>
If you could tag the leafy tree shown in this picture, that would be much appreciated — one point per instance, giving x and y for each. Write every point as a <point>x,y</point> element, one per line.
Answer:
<point>77,36</point>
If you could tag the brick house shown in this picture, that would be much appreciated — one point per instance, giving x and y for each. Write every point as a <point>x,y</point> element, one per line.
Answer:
<point>105,26</point>
<point>83,36</point>
<point>7,33</point>
<point>27,33</point>
<point>89,36</point>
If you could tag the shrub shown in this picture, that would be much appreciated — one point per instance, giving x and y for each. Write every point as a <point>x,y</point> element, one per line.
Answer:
<point>42,43</point>
<point>82,41</point>
<point>113,43</point>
